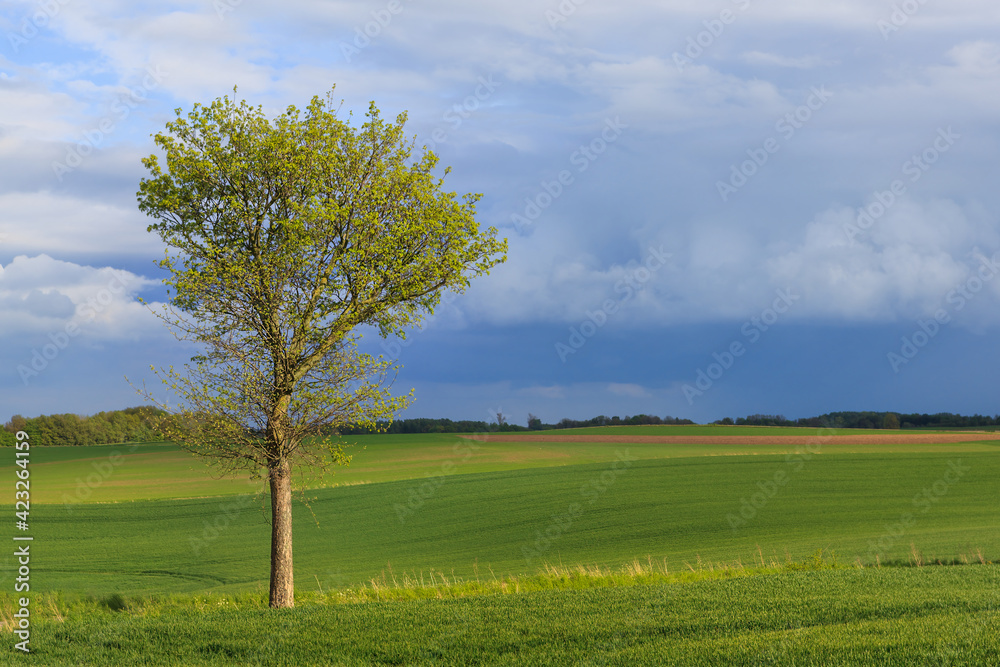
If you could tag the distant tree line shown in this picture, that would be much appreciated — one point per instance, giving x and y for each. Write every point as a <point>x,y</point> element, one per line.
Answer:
<point>890,420</point>
<point>140,424</point>
<point>637,420</point>
<point>105,428</point>
<point>425,425</point>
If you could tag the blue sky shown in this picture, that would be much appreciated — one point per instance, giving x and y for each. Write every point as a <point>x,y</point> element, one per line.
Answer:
<point>714,208</point>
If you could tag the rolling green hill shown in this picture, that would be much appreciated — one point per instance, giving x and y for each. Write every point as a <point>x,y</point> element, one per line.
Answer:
<point>515,520</point>
<point>154,471</point>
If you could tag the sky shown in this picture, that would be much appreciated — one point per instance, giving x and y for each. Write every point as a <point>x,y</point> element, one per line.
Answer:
<point>713,208</point>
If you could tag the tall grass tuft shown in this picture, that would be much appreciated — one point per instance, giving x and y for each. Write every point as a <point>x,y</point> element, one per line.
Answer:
<point>393,585</point>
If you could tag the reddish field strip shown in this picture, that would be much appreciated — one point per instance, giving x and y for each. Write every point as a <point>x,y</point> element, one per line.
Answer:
<point>867,439</point>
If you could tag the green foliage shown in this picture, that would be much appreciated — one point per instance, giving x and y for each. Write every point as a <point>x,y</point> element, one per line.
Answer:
<point>874,420</point>
<point>766,420</point>
<point>284,236</point>
<point>636,420</point>
<point>139,424</point>
<point>350,216</point>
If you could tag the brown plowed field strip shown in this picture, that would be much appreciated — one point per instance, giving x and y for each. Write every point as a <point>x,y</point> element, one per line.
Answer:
<point>867,439</point>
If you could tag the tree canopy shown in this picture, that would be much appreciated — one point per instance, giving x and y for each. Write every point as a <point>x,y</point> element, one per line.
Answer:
<point>284,236</point>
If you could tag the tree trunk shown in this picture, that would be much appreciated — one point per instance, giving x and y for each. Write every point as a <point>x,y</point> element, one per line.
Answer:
<point>282,581</point>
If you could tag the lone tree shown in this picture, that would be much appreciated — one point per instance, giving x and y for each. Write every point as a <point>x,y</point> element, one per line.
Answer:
<point>283,237</point>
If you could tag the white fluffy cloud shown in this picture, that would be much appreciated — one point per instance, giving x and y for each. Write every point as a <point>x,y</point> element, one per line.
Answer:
<point>903,265</point>
<point>41,295</point>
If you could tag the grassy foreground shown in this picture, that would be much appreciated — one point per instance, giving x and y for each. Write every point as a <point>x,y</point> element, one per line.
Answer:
<point>871,616</point>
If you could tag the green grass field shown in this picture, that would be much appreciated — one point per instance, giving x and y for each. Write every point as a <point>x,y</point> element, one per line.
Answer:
<point>514,521</point>
<point>888,616</point>
<point>151,520</point>
<point>154,471</point>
